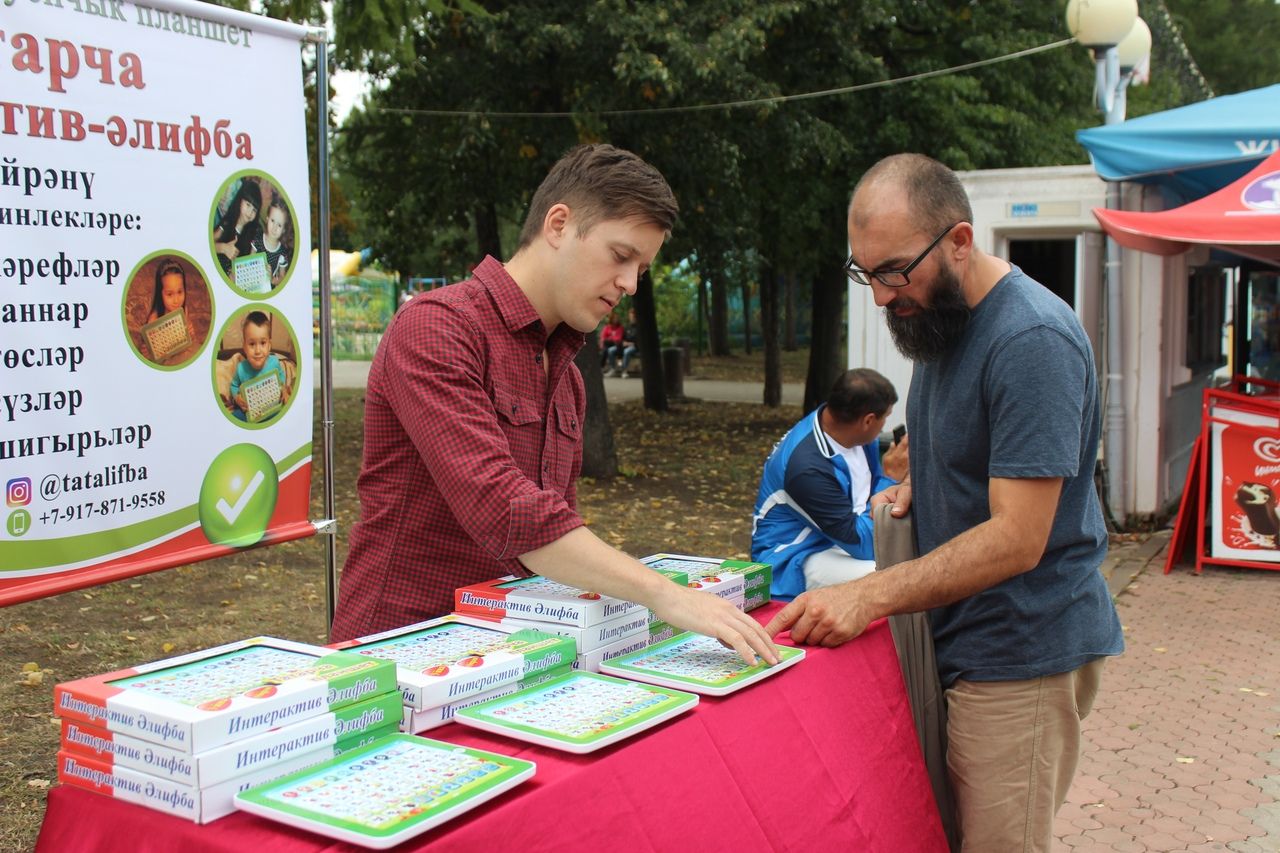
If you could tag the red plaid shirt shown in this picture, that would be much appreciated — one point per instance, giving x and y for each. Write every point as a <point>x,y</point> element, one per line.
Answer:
<point>471,451</point>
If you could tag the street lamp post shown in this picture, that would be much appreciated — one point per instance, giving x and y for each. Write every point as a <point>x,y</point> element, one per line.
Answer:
<point>1120,42</point>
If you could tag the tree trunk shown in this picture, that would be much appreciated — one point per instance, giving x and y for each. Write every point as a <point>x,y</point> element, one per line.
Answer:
<point>789,315</point>
<point>599,457</point>
<point>486,216</point>
<point>702,316</point>
<point>770,282</point>
<point>650,346</point>
<point>746,316</point>
<point>825,358</point>
<point>719,332</point>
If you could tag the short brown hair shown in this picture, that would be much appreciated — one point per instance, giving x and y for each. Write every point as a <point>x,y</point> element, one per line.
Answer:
<point>600,182</point>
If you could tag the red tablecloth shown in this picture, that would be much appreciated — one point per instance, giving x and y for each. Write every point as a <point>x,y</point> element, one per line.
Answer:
<point>823,757</point>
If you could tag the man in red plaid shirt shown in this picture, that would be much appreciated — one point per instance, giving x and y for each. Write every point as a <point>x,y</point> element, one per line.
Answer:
<point>474,412</point>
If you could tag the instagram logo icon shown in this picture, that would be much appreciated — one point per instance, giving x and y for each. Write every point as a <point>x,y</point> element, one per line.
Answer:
<point>18,491</point>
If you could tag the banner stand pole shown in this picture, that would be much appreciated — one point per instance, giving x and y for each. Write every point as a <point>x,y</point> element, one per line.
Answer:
<point>328,528</point>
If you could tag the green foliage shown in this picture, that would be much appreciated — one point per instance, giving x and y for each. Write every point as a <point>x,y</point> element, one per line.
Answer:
<point>676,296</point>
<point>416,175</point>
<point>1233,41</point>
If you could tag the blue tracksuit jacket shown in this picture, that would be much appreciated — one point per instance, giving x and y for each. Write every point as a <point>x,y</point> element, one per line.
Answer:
<point>804,505</point>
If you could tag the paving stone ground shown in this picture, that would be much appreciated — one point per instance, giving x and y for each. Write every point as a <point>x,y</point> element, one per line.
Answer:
<point>1182,750</point>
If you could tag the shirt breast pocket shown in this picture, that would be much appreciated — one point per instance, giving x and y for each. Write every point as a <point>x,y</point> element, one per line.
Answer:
<point>520,420</point>
<point>567,444</point>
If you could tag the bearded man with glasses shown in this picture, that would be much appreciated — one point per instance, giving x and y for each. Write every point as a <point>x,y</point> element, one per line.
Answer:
<point>1004,420</point>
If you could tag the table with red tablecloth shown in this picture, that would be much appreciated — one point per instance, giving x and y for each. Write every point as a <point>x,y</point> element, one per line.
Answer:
<point>822,757</point>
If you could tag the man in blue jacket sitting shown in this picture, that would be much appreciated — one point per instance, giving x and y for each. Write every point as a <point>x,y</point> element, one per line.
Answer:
<point>813,511</point>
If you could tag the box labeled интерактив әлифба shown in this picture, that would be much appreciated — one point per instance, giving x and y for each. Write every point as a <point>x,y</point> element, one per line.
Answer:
<point>199,804</point>
<point>235,759</point>
<point>416,722</point>
<point>443,660</point>
<point>196,804</point>
<point>539,599</point>
<point>756,578</point>
<point>195,702</point>
<point>590,662</point>
<point>586,639</point>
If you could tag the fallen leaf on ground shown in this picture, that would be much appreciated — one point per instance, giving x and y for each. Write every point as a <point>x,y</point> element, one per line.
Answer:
<point>38,783</point>
<point>1182,759</point>
<point>31,667</point>
<point>167,647</point>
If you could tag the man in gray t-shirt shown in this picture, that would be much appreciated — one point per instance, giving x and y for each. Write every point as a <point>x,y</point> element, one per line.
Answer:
<point>1004,422</point>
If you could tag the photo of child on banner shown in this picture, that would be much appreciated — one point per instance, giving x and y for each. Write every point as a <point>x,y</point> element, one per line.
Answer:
<point>168,309</point>
<point>252,234</point>
<point>255,367</point>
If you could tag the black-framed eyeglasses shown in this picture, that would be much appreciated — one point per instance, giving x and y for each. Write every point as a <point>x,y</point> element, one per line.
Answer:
<point>893,278</point>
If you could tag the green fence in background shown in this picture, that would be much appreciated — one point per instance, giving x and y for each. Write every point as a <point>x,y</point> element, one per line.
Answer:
<point>362,306</point>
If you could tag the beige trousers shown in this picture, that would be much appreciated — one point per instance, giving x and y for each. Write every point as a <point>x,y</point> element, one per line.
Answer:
<point>1012,750</point>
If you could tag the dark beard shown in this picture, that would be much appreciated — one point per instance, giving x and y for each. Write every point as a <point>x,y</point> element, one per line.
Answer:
<point>931,332</point>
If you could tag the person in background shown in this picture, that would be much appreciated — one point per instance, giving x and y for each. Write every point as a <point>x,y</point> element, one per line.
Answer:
<point>628,347</point>
<point>610,339</point>
<point>812,518</point>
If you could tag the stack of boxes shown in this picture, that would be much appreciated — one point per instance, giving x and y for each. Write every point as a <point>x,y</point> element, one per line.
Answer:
<point>600,627</point>
<point>744,584</point>
<point>756,578</point>
<point>184,735</point>
<point>447,664</point>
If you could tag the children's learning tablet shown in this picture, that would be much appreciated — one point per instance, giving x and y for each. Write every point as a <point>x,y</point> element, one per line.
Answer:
<point>262,395</point>
<point>251,273</point>
<point>698,663</point>
<point>167,335</point>
<point>578,713</point>
<point>389,791</point>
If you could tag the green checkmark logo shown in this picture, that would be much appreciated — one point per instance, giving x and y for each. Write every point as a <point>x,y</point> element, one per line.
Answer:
<point>238,496</point>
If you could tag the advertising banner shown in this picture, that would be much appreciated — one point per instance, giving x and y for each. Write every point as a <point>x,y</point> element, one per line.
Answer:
<point>155,289</point>
<point>1244,485</point>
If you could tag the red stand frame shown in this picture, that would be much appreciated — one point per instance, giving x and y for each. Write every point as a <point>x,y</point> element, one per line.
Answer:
<point>1194,515</point>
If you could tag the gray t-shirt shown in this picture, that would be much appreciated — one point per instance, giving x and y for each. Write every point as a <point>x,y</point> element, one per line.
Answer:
<point>1016,398</point>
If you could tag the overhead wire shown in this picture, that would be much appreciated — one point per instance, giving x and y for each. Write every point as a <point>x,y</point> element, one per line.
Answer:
<point>739,104</point>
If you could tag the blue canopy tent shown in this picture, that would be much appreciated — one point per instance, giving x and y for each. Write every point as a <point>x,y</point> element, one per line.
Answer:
<point>1193,150</point>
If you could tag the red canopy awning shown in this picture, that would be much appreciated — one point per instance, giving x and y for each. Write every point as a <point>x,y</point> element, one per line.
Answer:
<point>1243,217</point>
